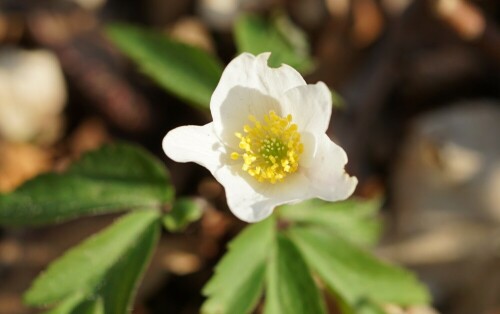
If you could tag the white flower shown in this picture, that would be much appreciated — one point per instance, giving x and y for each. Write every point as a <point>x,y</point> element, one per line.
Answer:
<point>267,144</point>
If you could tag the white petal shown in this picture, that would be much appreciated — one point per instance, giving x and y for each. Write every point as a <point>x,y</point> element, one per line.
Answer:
<point>328,179</point>
<point>252,201</point>
<point>310,107</point>
<point>249,82</point>
<point>194,144</point>
<point>239,103</point>
<point>251,71</point>
<point>309,142</point>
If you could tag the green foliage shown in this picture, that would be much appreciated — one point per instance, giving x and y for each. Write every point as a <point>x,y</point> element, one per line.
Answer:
<point>354,274</point>
<point>79,305</point>
<point>284,40</point>
<point>338,101</point>
<point>184,212</point>
<point>184,70</point>
<point>353,219</point>
<point>369,307</point>
<point>316,235</point>
<point>101,274</point>
<point>239,277</point>
<point>113,178</point>
<point>122,280</point>
<point>290,287</point>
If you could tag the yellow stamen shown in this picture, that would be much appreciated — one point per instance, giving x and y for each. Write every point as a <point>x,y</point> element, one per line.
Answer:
<point>270,149</point>
<point>235,156</point>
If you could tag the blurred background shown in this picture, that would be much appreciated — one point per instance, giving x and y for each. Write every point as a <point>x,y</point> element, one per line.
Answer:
<point>419,118</point>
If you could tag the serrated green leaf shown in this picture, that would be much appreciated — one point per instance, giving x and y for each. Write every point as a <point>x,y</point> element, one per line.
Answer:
<point>115,291</point>
<point>184,212</point>
<point>285,41</point>
<point>89,307</point>
<point>69,305</point>
<point>113,178</point>
<point>79,306</point>
<point>239,277</point>
<point>353,219</point>
<point>290,287</point>
<point>121,282</point>
<point>184,70</point>
<point>84,268</point>
<point>354,274</point>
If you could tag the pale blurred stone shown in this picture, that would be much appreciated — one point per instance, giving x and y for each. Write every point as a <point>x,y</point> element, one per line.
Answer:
<point>221,14</point>
<point>192,31</point>
<point>446,189</point>
<point>492,189</point>
<point>32,95</point>
<point>447,244</point>
<point>181,263</point>
<point>460,163</point>
<point>449,167</point>
<point>90,4</point>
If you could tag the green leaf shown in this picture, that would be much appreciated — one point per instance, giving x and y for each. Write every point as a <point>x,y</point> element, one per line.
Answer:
<point>184,70</point>
<point>290,287</point>
<point>79,305</point>
<point>184,212</point>
<point>91,307</point>
<point>121,282</point>
<point>239,277</point>
<point>70,305</point>
<point>285,41</point>
<point>369,308</point>
<point>353,219</point>
<point>338,101</point>
<point>113,178</point>
<point>365,306</point>
<point>84,268</point>
<point>115,291</point>
<point>354,274</point>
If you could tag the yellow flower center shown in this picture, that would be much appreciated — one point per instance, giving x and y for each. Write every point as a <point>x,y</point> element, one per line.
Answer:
<point>271,149</point>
